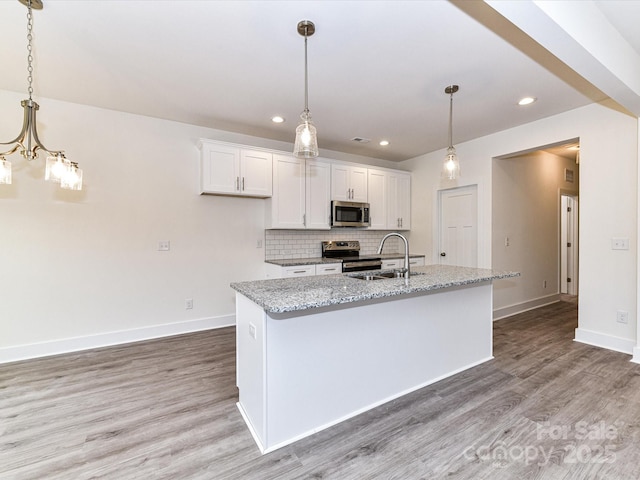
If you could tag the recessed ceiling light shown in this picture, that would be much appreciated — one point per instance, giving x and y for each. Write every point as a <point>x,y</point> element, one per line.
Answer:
<point>384,143</point>
<point>277,119</point>
<point>527,100</point>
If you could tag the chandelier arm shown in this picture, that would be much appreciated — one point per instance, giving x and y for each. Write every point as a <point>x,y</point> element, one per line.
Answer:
<point>25,127</point>
<point>34,133</point>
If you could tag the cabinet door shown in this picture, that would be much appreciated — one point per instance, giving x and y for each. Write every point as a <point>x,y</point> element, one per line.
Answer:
<point>286,208</point>
<point>219,169</point>
<point>403,200</point>
<point>358,184</point>
<point>340,187</point>
<point>377,187</point>
<point>318,195</point>
<point>399,201</point>
<point>256,173</point>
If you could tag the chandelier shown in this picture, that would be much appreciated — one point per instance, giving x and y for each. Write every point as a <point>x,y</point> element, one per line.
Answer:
<point>58,168</point>
<point>306,145</point>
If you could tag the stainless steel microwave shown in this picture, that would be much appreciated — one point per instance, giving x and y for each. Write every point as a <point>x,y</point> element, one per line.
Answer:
<point>349,214</point>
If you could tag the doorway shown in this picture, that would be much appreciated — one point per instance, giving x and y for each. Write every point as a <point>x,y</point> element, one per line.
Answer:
<point>458,226</point>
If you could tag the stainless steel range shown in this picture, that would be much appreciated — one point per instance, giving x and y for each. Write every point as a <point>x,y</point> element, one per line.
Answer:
<point>349,253</point>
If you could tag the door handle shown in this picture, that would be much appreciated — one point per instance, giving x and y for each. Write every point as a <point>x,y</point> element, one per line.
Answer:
<point>443,254</point>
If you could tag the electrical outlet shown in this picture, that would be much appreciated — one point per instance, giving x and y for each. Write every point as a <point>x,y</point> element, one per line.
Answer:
<point>259,243</point>
<point>164,245</point>
<point>622,316</point>
<point>252,330</point>
<point>506,241</point>
<point>188,304</point>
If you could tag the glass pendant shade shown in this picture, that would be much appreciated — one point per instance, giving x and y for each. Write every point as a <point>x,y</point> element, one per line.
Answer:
<point>72,179</point>
<point>306,145</point>
<point>451,166</point>
<point>56,168</point>
<point>5,171</point>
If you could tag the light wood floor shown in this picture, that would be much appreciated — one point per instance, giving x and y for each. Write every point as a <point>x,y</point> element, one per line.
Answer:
<point>545,408</point>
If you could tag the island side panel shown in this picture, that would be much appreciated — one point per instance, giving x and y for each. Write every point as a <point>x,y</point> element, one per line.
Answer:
<point>325,367</point>
<point>250,366</point>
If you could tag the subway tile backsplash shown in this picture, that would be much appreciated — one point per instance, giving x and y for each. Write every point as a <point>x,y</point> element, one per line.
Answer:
<point>285,244</point>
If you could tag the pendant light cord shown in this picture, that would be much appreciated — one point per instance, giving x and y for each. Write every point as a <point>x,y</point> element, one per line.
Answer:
<point>451,121</point>
<point>29,49</point>
<point>306,79</point>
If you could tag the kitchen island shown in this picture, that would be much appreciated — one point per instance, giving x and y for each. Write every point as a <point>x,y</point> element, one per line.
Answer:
<point>314,351</point>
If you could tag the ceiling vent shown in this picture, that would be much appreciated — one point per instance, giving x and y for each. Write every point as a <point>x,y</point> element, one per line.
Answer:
<point>360,140</point>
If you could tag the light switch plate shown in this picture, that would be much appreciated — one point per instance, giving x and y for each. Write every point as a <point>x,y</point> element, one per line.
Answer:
<point>619,243</point>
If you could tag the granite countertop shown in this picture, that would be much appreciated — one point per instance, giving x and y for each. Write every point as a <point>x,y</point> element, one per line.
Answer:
<point>294,262</point>
<point>282,295</point>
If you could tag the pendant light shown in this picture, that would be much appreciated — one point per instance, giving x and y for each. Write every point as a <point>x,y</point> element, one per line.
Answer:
<point>306,145</point>
<point>58,169</point>
<point>451,166</point>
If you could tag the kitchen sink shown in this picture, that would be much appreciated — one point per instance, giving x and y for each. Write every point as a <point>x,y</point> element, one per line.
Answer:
<point>382,276</point>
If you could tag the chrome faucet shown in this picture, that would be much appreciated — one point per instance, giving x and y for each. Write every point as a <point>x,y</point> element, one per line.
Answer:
<point>407,274</point>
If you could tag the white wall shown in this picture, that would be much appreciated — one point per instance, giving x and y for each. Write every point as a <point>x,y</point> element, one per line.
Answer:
<point>526,211</point>
<point>608,207</point>
<point>81,269</point>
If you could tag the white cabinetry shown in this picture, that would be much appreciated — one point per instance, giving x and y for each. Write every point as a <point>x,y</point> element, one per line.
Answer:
<point>286,208</point>
<point>318,195</point>
<point>398,201</point>
<point>301,194</point>
<point>378,201</point>
<point>277,271</point>
<point>392,263</point>
<point>349,183</point>
<point>228,169</point>
<point>415,262</point>
<point>328,268</point>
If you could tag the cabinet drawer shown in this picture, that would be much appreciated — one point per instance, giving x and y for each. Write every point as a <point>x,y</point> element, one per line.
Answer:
<point>299,271</point>
<point>416,262</point>
<point>395,263</point>
<point>328,268</point>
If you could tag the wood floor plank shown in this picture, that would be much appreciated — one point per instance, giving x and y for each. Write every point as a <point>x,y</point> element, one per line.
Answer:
<point>165,409</point>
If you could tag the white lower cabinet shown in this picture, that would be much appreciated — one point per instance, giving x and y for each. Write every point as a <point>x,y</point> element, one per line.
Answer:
<point>277,271</point>
<point>399,263</point>
<point>328,268</point>
<point>415,262</point>
<point>389,264</point>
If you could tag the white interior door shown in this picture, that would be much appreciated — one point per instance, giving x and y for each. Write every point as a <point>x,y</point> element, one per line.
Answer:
<point>459,226</point>
<point>569,244</point>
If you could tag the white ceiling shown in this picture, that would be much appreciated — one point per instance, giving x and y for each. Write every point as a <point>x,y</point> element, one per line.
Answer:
<point>377,69</point>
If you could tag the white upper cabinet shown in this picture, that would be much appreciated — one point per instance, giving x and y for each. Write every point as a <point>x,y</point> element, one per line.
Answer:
<point>398,201</point>
<point>318,195</point>
<point>228,169</point>
<point>378,201</point>
<point>349,183</point>
<point>301,194</point>
<point>286,208</point>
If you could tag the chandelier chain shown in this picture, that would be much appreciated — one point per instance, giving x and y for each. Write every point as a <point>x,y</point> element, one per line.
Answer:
<point>30,49</point>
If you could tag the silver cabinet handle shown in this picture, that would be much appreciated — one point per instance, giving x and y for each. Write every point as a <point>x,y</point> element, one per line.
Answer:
<point>237,183</point>
<point>304,219</point>
<point>243,184</point>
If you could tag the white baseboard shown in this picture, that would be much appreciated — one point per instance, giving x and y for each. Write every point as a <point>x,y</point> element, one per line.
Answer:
<point>510,310</point>
<point>76,344</point>
<point>636,354</point>
<point>602,340</point>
